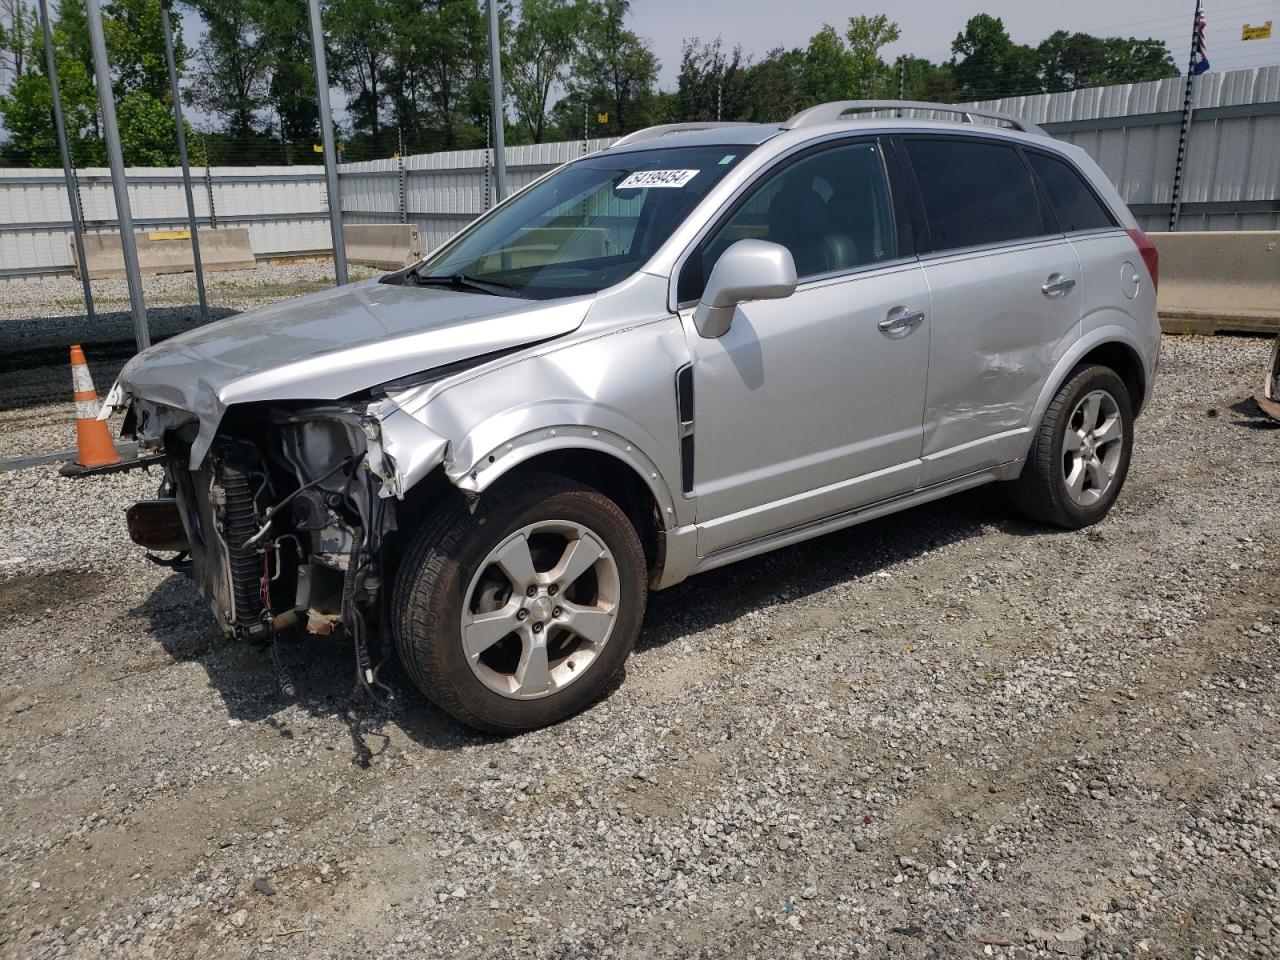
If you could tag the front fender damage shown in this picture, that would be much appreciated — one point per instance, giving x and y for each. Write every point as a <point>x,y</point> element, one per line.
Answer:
<point>402,450</point>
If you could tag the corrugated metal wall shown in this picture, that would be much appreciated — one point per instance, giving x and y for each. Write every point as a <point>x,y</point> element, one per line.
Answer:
<point>1231,179</point>
<point>442,192</point>
<point>283,208</point>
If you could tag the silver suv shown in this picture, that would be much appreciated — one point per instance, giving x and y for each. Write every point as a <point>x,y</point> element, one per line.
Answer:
<point>701,344</point>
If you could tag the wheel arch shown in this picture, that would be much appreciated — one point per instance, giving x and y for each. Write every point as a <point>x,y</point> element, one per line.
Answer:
<point>1112,346</point>
<point>594,457</point>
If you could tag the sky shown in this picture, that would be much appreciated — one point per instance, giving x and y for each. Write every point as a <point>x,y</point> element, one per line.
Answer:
<point>929,26</point>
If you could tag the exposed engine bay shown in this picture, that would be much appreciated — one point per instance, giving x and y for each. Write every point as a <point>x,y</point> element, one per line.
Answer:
<point>283,523</point>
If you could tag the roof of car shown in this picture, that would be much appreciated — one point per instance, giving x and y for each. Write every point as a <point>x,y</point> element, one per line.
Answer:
<point>827,117</point>
<point>658,138</point>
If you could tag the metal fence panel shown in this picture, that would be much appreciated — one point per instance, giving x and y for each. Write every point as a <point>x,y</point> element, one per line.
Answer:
<point>1231,179</point>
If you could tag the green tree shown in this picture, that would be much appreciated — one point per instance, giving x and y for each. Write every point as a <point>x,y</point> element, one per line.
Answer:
<point>1068,61</point>
<point>19,39</point>
<point>1131,60</point>
<point>361,33</point>
<point>988,64</point>
<point>233,65</point>
<point>922,79</point>
<point>615,70</point>
<point>284,32</point>
<point>135,48</point>
<point>828,70</point>
<point>541,46</point>
<point>144,109</point>
<point>712,85</point>
<point>146,132</point>
<point>776,85</point>
<point>451,52</point>
<point>866,36</point>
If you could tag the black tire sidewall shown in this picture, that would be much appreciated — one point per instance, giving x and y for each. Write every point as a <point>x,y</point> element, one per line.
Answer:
<point>1085,382</point>
<point>439,595</point>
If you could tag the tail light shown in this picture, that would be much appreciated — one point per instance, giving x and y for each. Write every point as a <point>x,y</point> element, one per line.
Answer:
<point>1150,256</point>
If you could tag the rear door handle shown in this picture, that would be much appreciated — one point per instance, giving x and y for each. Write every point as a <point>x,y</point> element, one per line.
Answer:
<point>900,322</point>
<point>1057,286</point>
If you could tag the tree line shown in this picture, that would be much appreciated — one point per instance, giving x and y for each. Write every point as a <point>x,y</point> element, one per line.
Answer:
<point>415,75</point>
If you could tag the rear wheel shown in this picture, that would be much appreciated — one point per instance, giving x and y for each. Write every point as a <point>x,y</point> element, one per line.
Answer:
<point>519,613</point>
<point>1080,457</point>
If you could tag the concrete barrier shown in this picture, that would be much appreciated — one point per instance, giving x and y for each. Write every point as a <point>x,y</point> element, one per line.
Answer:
<point>386,245</point>
<point>1219,280</point>
<point>166,251</point>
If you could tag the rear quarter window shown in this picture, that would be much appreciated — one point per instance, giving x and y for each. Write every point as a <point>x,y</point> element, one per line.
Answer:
<point>1074,204</point>
<point>975,192</point>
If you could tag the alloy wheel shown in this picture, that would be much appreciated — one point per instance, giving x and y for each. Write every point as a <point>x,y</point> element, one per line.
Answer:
<point>540,609</point>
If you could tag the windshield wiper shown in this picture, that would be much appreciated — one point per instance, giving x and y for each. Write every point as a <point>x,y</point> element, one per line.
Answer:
<point>460,281</point>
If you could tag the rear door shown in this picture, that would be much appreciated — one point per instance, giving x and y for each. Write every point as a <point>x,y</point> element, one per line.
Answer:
<point>1113,280</point>
<point>1004,296</point>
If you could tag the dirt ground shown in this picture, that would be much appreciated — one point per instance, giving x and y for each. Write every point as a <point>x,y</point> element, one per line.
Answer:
<point>947,733</point>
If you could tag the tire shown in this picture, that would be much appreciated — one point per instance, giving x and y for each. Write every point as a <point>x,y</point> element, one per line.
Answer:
<point>1044,491</point>
<point>455,587</point>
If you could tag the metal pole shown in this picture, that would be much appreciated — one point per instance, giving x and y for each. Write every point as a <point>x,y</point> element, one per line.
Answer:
<point>1175,204</point>
<point>115,158</point>
<point>73,197</point>
<point>326,138</point>
<point>208,183</point>
<point>182,157</point>
<point>495,87</point>
<point>404,210</point>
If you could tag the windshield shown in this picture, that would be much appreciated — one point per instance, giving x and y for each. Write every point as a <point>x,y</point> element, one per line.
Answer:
<point>584,228</point>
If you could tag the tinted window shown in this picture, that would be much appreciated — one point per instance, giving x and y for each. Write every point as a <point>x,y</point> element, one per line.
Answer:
<point>589,225</point>
<point>1073,203</point>
<point>974,192</point>
<point>831,209</point>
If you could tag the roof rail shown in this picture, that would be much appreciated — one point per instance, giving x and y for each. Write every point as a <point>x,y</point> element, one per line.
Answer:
<point>831,112</point>
<point>666,129</point>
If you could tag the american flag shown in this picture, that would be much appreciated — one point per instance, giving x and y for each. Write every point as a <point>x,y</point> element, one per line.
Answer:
<point>1199,49</point>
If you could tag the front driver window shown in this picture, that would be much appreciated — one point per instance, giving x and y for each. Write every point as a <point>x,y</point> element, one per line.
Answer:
<point>831,209</point>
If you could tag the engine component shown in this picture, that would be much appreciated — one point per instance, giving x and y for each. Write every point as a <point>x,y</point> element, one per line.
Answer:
<point>310,510</point>
<point>157,525</point>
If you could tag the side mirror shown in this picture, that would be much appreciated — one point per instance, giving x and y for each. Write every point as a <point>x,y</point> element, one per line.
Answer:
<point>748,270</point>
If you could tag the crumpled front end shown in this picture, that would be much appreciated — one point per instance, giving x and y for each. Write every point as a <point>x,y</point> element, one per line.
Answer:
<point>287,512</point>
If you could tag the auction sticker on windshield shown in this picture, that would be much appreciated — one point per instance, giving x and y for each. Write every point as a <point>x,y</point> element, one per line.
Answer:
<point>657,178</point>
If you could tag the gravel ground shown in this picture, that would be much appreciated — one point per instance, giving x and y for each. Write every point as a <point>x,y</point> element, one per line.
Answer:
<point>943,734</point>
<point>40,319</point>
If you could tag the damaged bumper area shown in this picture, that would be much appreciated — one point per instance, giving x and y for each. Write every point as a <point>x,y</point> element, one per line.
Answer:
<point>286,512</point>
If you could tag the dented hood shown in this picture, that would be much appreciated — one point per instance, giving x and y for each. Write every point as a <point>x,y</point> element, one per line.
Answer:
<point>331,344</point>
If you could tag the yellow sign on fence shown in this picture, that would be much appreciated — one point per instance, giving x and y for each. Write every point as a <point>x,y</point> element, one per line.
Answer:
<point>1261,32</point>
<point>602,118</point>
<point>169,235</point>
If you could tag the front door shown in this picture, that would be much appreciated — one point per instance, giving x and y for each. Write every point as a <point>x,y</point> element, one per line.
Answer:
<point>812,405</point>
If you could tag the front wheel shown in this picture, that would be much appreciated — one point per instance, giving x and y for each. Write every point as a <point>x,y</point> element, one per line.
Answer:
<point>518,613</point>
<point>1080,456</point>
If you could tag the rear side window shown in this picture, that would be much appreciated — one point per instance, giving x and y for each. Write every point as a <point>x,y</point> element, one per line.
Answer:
<point>974,192</point>
<point>1074,205</point>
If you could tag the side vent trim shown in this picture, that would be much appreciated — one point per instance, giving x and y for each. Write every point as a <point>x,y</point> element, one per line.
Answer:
<point>684,410</point>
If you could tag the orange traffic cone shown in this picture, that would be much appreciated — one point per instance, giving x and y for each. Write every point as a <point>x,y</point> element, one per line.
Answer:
<point>93,440</point>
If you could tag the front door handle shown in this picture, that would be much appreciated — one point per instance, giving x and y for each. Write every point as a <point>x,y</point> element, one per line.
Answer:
<point>900,322</point>
<point>1057,286</point>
